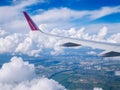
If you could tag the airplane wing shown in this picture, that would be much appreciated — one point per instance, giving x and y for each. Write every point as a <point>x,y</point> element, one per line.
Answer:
<point>111,49</point>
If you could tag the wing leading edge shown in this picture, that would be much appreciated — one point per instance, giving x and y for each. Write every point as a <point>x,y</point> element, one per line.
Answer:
<point>111,49</point>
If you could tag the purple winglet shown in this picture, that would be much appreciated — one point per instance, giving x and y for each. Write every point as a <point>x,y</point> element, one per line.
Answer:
<point>32,25</point>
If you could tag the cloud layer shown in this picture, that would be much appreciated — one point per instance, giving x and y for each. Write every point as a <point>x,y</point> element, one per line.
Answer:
<point>33,43</point>
<point>20,75</point>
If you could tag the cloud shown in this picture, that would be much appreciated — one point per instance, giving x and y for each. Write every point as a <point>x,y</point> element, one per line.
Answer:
<point>101,34</point>
<point>14,10</point>
<point>115,38</point>
<point>16,71</point>
<point>53,15</point>
<point>2,33</point>
<point>12,17</point>
<point>20,75</point>
<point>8,43</point>
<point>96,88</point>
<point>92,53</point>
<point>104,11</point>
<point>25,46</point>
<point>117,73</point>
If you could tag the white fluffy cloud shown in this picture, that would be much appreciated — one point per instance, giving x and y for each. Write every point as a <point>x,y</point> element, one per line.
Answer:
<point>101,34</point>
<point>33,43</point>
<point>114,38</point>
<point>8,43</point>
<point>16,71</point>
<point>20,75</point>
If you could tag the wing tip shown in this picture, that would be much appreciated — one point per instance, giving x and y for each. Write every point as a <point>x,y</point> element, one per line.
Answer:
<point>32,25</point>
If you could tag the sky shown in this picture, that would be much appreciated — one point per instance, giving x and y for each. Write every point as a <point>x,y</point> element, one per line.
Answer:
<point>62,14</point>
<point>83,19</point>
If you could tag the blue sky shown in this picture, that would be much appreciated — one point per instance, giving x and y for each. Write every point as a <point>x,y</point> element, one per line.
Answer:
<point>74,13</point>
<point>73,4</point>
<point>79,4</point>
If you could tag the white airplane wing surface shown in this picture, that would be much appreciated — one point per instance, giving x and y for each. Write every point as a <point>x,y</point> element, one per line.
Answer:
<point>111,49</point>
